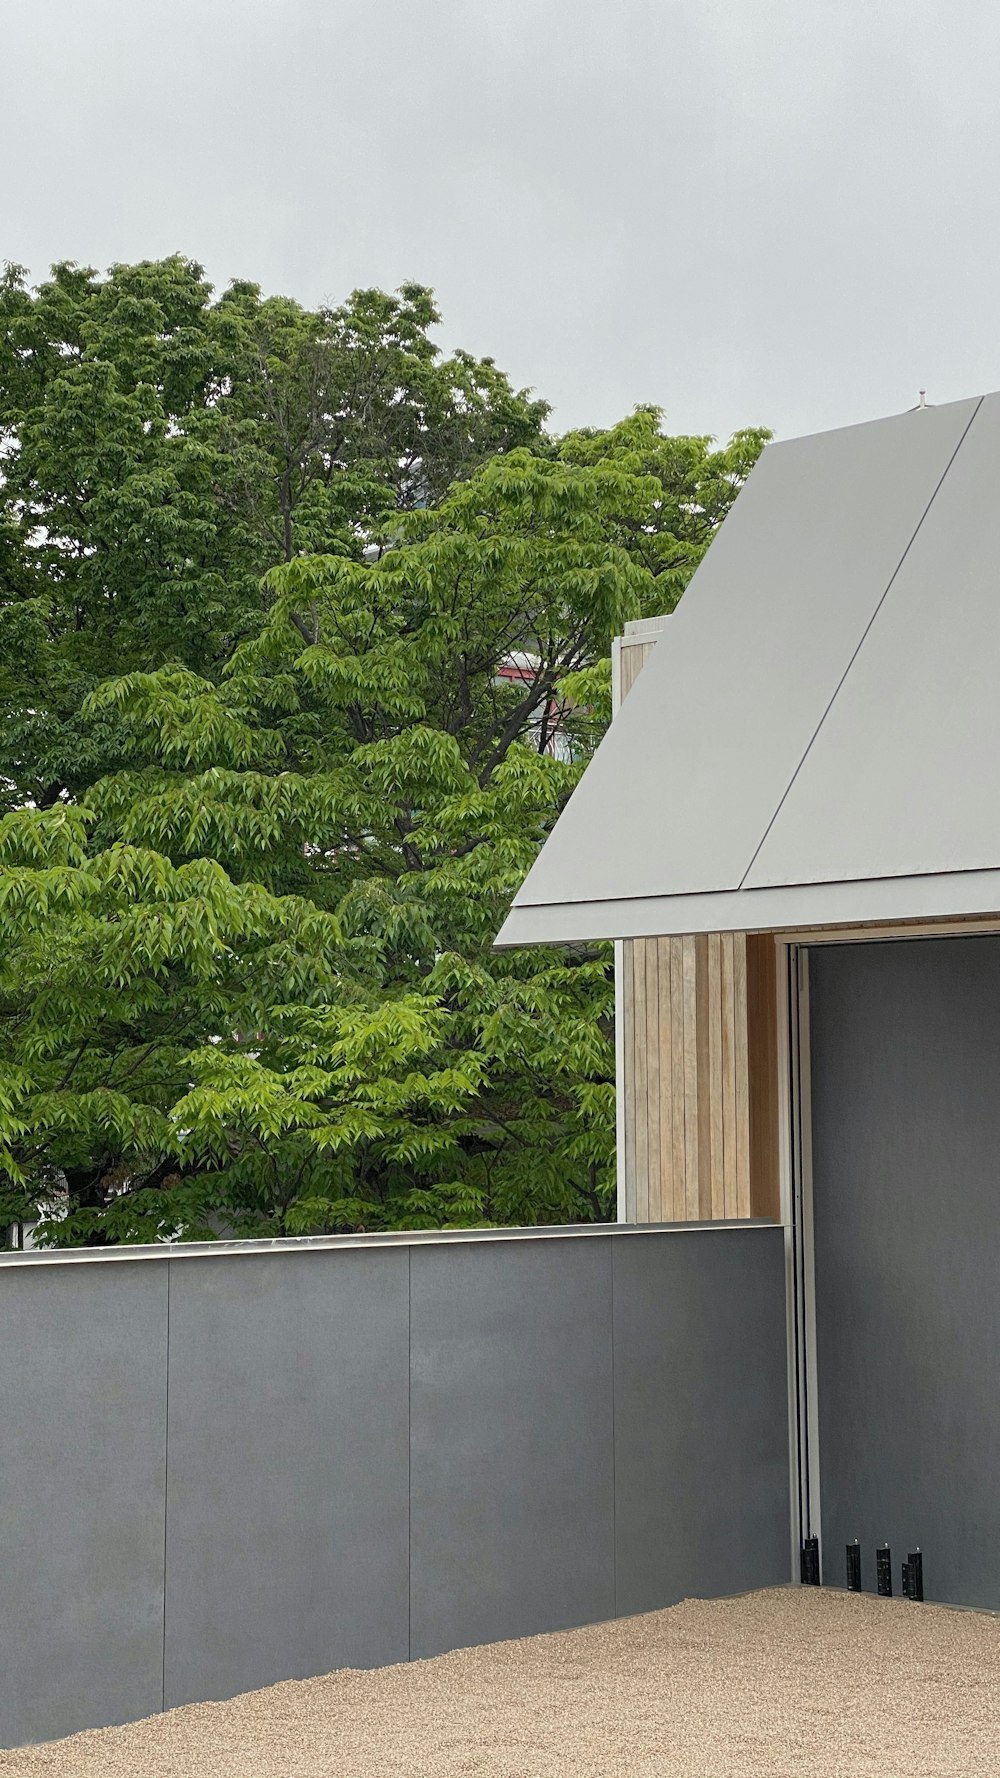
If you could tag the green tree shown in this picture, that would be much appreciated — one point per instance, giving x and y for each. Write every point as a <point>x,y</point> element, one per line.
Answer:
<point>247,980</point>
<point>342,417</point>
<point>161,449</point>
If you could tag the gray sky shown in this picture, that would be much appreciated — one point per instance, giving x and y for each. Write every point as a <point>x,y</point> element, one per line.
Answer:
<point>775,211</point>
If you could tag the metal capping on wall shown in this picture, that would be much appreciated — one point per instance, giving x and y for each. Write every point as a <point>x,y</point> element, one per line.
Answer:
<point>168,1250</point>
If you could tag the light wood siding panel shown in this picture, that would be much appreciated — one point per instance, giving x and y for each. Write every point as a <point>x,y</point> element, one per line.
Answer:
<point>699,1097</point>
<point>715,1079</point>
<point>640,1095</point>
<point>633,656</point>
<point>677,1195</point>
<point>742,1075</point>
<point>666,1120</point>
<point>705,1157</point>
<point>625,1011</point>
<point>728,1013</point>
<point>652,1041</point>
<point>689,966</point>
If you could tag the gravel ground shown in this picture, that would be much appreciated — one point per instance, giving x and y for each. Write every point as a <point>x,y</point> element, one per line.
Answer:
<point>786,1683</point>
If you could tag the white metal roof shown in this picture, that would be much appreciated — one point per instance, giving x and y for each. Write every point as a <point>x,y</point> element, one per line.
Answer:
<point>816,737</point>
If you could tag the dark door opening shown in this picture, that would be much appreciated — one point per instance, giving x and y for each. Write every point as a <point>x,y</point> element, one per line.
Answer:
<point>905,1112</point>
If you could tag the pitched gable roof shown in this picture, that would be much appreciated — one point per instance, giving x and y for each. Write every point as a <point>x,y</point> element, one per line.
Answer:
<point>816,736</point>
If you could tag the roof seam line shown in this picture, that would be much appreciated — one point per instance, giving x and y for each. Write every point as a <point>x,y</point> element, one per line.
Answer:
<point>861,642</point>
<point>676,896</point>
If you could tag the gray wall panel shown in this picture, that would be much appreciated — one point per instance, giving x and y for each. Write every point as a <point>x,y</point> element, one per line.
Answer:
<point>512,1477</point>
<point>906,1121</point>
<point>287,1472</point>
<point>701,1420</point>
<point>82,1446</point>
<point>324,1402</point>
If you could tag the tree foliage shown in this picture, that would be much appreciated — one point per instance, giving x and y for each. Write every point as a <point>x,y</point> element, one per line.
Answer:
<point>161,450</point>
<point>303,641</point>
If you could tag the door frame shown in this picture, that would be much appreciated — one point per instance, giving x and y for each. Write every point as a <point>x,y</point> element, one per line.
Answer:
<point>795,1177</point>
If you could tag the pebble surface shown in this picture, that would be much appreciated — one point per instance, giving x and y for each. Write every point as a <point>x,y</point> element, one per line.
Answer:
<point>786,1683</point>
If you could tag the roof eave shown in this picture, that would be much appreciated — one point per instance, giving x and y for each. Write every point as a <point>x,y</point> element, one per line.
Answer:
<point>794,907</point>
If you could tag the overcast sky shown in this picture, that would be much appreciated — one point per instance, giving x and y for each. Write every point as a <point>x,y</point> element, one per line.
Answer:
<point>747,211</point>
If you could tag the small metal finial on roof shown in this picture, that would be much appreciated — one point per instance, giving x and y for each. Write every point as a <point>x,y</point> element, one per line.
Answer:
<point>923,398</point>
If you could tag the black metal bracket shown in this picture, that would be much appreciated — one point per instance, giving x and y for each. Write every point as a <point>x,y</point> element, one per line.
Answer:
<point>913,1576</point>
<point>809,1562</point>
<point>854,1567</point>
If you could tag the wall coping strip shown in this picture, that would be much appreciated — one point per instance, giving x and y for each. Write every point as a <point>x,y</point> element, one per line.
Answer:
<point>167,1250</point>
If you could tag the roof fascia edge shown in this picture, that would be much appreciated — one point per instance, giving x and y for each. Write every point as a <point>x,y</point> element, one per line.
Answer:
<point>805,905</point>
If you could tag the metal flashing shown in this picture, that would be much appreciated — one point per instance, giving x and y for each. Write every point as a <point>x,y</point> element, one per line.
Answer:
<point>781,908</point>
<point>184,1250</point>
